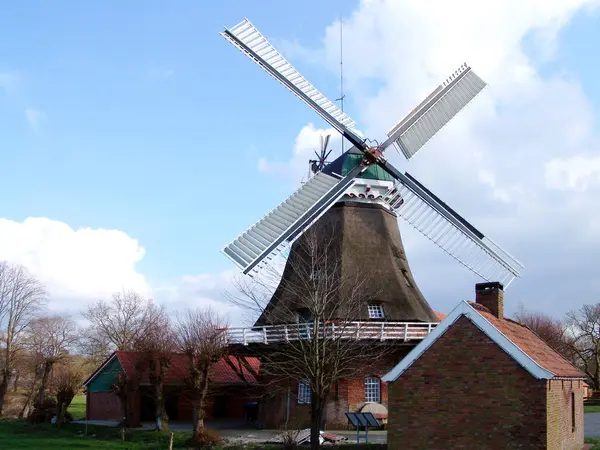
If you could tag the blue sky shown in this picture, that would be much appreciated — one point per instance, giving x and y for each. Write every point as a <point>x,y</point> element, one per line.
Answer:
<point>152,122</point>
<point>138,116</point>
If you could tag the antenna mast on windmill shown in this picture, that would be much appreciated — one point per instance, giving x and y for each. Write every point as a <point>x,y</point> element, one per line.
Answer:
<point>350,175</point>
<point>342,96</point>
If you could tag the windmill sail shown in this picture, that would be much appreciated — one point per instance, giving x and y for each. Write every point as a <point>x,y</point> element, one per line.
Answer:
<point>451,232</point>
<point>429,117</point>
<point>271,234</point>
<point>246,37</point>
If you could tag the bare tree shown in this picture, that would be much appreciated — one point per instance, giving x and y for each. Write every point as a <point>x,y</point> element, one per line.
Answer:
<point>156,348</point>
<point>320,304</point>
<point>119,323</point>
<point>49,340</point>
<point>126,388</point>
<point>200,336</point>
<point>553,331</point>
<point>584,324</point>
<point>66,383</point>
<point>21,295</point>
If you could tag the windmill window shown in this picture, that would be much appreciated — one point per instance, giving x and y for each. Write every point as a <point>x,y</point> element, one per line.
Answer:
<point>304,394</point>
<point>376,312</point>
<point>372,390</point>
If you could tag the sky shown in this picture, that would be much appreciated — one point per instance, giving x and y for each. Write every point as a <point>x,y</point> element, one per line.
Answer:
<point>135,142</point>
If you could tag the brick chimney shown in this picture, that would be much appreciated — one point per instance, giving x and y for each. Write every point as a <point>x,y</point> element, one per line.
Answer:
<point>491,295</point>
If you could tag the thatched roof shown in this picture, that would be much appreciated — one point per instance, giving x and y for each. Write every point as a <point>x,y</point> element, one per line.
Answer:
<point>365,239</point>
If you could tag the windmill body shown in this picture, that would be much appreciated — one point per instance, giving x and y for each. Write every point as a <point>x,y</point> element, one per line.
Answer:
<point>359,196</point>
<point>365,234</point>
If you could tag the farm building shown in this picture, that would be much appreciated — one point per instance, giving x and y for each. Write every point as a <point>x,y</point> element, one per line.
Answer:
<point>480,380</point>
<point>233,378</point>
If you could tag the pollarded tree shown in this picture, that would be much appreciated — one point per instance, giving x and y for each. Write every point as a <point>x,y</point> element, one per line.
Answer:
<point>50,339</point>
<point>155,350</point>
<point>21,296</point>
<point>201,337</point>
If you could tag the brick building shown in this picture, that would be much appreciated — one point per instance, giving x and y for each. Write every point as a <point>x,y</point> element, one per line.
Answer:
<point>233,379</point>
<point>483,381</point>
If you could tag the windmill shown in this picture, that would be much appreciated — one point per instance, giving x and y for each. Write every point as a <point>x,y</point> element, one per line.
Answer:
<point>316,165</point>
<point>406,196</point>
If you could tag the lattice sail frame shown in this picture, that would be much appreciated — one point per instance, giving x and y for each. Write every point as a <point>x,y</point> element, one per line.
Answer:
<point>432,114</point>
<point>282,225</point>
<point>260,50</point>
<point>466,244</point>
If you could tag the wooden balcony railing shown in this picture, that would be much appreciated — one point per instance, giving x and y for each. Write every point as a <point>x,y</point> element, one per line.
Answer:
<point>379,331</point>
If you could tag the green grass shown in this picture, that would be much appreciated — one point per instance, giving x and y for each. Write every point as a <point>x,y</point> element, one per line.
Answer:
<point>591,408</point>
<point>18,434</point>
<point>595,441</point>
<point>77,407</point>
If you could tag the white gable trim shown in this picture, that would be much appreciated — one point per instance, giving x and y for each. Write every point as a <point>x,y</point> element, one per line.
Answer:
<point>464,309</point>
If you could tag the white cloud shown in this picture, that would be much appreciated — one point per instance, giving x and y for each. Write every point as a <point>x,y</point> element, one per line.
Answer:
<point>76,265</point>
<point>82,265</point>
<point>34,117</point>
<point>577,173</point>
<point>496,161</point>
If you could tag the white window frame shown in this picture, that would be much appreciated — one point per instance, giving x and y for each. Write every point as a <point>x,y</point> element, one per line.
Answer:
<point>372,390</point>
<point>376,312</point>
<point>304,393</point>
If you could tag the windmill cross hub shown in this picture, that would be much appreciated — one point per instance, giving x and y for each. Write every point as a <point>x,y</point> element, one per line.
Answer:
<point>408,197</point>
<point>373,155</point>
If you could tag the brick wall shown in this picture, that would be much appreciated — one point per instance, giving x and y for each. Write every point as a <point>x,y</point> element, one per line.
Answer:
<point>561,435</point>
<point>103,406</point>
<point>348,396</point>
<point>465,392</point>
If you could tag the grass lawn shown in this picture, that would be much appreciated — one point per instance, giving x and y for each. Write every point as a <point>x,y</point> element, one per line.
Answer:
<point>77,407</point>
<point>18,434</point>
<point>591,408</point>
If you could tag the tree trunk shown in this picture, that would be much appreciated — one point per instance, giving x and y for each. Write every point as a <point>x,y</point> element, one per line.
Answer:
<point>130,420</point>
<point>162,420</point>
<point>316,417</point>
<point>45,377</point>
<point>4,388</point>
<point>16,383</point>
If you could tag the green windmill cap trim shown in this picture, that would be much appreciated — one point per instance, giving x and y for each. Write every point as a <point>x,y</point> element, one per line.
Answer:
<point>349,160</point>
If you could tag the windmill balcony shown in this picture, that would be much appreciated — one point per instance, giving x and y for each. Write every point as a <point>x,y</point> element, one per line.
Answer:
<point>398,332</point>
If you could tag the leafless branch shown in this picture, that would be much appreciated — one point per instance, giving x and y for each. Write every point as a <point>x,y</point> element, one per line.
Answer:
<point>21,296</point>
<point>320,303</point>
<point>201,337</point>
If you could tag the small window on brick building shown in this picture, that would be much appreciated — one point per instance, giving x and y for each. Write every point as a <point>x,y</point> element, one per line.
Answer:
<point>304,394</point>
<point>372,390</point>
<point>376,312</point>
<point>573,411</point>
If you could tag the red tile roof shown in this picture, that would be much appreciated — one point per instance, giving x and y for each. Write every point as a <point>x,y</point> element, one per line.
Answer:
<point>530,343</point>
<point>221,372</point>
<point>441,316</point>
